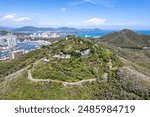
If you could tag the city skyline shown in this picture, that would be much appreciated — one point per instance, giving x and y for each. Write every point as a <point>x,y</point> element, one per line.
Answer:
<point>105,14</point>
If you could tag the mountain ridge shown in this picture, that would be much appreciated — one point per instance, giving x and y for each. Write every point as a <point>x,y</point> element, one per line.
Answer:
<point>2,28</point>
<point>118,73</point>
<point>126,38</point>
<point>62,29</point>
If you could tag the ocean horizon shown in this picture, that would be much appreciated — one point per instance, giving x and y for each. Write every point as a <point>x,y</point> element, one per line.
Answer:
<point>105,32</point>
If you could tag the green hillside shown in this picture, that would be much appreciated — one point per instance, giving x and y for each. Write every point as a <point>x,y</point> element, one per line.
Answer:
<point>77,68</point>
<point>22,88</point>
<point>8,67</point>
<point>94,64</point>
<point>126,38</point>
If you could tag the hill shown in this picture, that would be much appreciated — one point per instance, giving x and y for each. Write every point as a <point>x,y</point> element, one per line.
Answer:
<point>5,28</point>
<point>77,68</point>
<point>75,59</point>
<point>31,29</point>
<point>126,38</point>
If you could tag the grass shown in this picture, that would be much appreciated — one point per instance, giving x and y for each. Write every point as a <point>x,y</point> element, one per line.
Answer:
<point>21,88</point>
<point>78,67</point>
<point>75,69</point>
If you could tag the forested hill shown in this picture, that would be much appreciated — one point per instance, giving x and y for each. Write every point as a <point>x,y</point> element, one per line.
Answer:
<point>126,38</point>
<point>77,68</point>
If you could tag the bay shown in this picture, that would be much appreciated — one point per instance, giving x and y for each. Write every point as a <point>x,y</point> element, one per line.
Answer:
<point>35,45</point>
<point>105,32</point>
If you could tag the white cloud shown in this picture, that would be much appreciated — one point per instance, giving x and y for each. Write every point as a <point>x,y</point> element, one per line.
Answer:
<point>8,17</point>
<point>85,23</point>
<point>63,9</point>
<point>13,17</point>
<point>88,22</point>
<point>95,21</point>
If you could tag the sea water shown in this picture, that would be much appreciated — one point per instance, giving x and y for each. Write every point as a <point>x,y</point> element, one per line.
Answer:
<point>34,45</point>
<point>105,32</point>
<point>27,46</point>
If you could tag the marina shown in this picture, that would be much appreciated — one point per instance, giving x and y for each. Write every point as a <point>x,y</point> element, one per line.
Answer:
<point>26,46</point>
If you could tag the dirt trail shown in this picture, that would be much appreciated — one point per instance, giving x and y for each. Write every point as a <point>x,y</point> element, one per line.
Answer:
<point>16,74</point>
<point>65,84</point>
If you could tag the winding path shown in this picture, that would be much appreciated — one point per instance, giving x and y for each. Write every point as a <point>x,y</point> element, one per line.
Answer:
<point>65,84</point>
<point>16,74</point>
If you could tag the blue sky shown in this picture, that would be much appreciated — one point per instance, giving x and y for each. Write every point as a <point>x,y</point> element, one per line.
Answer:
<point>105,14</point>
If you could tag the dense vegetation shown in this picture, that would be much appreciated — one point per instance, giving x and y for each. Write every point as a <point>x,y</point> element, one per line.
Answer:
<point>8,67</point>
<point>126,38</point>
<point>22,88</point>
<point>78,67</point>
<point>128,76</point>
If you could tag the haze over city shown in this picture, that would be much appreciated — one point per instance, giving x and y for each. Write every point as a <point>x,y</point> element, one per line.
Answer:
<point>104,14</point>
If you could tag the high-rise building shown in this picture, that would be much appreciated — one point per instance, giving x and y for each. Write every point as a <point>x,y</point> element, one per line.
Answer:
<point>8,40</point>
<point>3,41</point>
<point>11,40</point>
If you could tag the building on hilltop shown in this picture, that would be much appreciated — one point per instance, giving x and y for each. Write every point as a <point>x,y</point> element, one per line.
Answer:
<point>62,55</point>
<point>85,52</point>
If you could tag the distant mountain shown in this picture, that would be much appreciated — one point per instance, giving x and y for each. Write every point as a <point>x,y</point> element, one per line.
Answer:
<point>4,28</point>
<point>126,38</point>
<point>67,29</point>
<point>26,28</point>
<point>35,29</point>
<point>30,29</point>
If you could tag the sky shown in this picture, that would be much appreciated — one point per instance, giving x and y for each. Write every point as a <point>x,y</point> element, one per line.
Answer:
<point>104,14</point>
